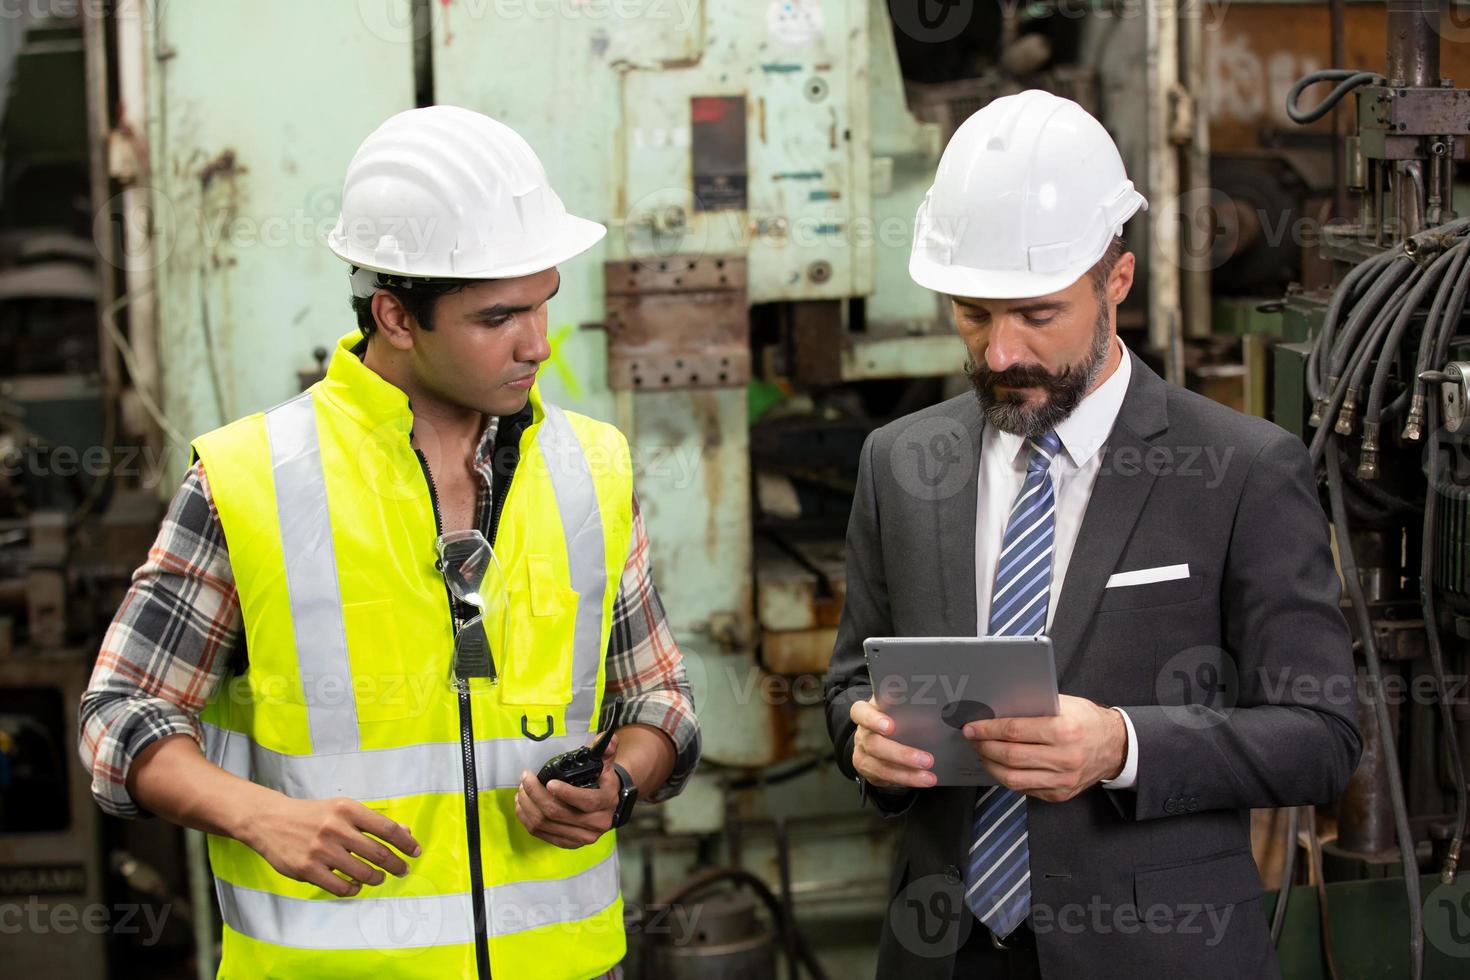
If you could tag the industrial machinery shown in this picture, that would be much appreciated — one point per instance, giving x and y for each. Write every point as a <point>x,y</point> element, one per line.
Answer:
<point>750,318</point>
<point>1372,374</point>
<point>77,513</point>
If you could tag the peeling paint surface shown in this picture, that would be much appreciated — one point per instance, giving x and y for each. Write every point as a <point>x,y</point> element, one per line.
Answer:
<point>244,197</point>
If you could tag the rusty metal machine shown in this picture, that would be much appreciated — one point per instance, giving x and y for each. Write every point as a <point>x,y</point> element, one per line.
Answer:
<point>76,512</point>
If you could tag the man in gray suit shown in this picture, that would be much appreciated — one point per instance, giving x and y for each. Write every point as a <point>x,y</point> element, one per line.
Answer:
<point>1174,551</point>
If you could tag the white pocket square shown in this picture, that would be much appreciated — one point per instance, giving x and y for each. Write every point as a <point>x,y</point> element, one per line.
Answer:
<point>1145,576</point>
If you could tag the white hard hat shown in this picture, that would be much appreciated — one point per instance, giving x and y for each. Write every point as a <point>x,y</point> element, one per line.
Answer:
<point>447,193</point>
<point>1029,193</point>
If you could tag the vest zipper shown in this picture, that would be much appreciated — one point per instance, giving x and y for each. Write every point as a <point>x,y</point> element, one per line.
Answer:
<point>467,758</point>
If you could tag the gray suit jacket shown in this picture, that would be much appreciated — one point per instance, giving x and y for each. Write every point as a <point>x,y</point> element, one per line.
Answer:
<point>1238,680</point>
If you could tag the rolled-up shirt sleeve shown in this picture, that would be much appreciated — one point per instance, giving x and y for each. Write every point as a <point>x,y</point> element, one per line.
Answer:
<point>169,647</point>
<point>645,667</point>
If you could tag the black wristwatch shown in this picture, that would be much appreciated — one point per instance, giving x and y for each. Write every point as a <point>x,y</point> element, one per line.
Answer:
<point>627,796</point>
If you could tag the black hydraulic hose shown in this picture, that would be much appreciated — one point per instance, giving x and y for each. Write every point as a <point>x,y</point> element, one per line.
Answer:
<point>1367,311</point>
<point>1374,344</point>
<point>1359,356</point>
<point>1436,653</point>
<point>1345,297</point>
<point>1348,79</point>
<point>1389,506</point>
<point>1405,836</point>
<point>1395,409</point>
<point>1346,352</point>
<point>1288,872</point>
<point>1450,319</point>
<point>1431,277</point>
<point>1433,325</point>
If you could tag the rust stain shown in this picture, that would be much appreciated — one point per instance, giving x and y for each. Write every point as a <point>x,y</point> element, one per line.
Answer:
<point>224,165</point>
<point>781,715</point>
<point>761,106</point>
<point>798,652</point>
<point>827,610</point>
<point>707,416</point>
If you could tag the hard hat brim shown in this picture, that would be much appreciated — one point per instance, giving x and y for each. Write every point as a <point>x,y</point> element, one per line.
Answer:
<point>958,280</point>
<point>577,235</point>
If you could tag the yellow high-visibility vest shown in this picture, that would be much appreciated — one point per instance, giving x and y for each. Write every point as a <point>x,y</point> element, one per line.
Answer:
<point>330,522</point>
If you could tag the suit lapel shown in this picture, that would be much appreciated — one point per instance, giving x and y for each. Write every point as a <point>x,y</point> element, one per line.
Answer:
<point>1118,496</point>
<point>956,530</point>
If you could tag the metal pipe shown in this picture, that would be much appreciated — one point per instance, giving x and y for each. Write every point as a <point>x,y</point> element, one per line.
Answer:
<point>1364,814</point>
<point>1409,201</point>
<point>1195,299</point>
<point>1165,326</point>
<point>1433,182</point>
<point>788,913</point>
<point>201,897</point>
<point>1413,61</point>
<point>99,128</point>
<point>647,897</point>
<point>135,50</point>
<point>1377,168</point>
<point>1339,116</point>
<point>1413,42</point>
<point>1447,181</point>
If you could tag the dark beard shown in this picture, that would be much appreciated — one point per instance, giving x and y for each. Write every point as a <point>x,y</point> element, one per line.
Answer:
<point>1011,413</point>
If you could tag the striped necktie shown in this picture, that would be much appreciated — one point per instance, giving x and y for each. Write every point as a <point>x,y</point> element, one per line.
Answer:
<point>998,870</point>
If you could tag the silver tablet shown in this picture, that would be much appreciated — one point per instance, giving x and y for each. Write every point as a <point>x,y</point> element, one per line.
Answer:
<point>932,686</point>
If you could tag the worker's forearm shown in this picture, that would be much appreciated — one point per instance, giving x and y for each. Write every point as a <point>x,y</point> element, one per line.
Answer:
<point>174,780</point>
<point>648,755</point>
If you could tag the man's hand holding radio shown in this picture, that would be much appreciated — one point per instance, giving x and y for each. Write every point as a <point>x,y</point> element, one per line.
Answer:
<point>565,815</point>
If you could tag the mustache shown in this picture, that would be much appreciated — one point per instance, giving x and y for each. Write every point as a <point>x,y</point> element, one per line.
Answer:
<point>1021,376</point>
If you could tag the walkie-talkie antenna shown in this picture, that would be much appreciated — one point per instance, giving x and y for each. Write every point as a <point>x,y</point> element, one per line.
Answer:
<point>600,746</point>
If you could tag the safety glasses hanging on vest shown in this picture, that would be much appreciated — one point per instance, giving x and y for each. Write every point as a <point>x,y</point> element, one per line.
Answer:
<point>474,577</point>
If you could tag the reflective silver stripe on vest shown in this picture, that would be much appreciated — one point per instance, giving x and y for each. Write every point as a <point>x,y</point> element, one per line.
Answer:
<point>311,575</point>
<point>365,922</point>
<point>382,774</point>
<point>581,521</point>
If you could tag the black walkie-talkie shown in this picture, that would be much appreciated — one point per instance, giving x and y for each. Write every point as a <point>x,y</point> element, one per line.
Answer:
<point>582,767</point>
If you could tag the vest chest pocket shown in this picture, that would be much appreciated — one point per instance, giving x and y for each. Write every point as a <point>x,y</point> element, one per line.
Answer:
<point>536,665</point>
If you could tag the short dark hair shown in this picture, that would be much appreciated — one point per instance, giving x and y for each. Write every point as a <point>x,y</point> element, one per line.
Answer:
<point>418,300</point>
<point>1103,267</point>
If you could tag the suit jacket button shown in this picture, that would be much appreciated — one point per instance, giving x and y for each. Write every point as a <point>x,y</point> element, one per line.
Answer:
<point>952,874</point>
<point>1193,804</point>
<point>1169,806</point>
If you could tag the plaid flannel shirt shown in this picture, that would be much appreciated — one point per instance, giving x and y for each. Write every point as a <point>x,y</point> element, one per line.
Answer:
<point>178,635</point>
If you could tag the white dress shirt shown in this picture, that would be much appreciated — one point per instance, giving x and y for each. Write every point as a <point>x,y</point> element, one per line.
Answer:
<point>1003,457</point>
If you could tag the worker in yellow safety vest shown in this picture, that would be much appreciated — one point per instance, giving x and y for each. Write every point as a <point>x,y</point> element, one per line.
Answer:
<point>377,611</point>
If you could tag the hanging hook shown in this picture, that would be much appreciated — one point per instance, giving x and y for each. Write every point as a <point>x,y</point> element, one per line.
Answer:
<point>526,728</point>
